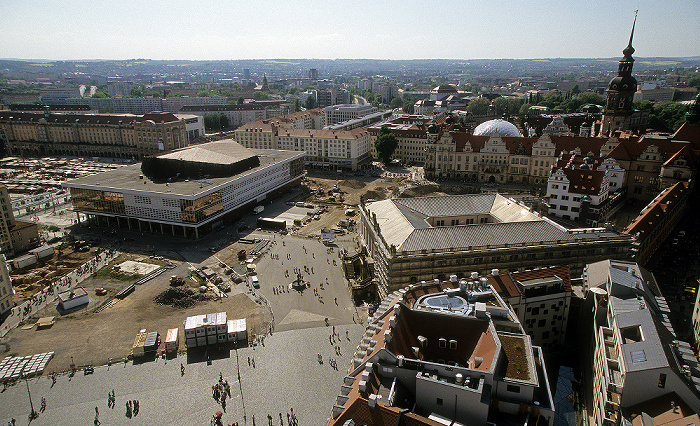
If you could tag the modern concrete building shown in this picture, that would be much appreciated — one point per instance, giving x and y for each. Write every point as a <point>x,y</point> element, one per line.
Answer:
<point>237,115</point>
<point>540,298</point>
<point>637,357</point>
<point>194,126</point>
<point>337,113</point>
<point>58,95</point>
<point>414,239</point>
<point>188,191</point>
<point>6,292</point>
<point>445,353</point>
<point>94,135</point>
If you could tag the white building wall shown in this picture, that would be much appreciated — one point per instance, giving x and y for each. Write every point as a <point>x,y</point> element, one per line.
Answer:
<point>5,287</point>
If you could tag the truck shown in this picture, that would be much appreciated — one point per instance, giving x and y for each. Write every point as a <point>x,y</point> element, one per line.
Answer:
<point>270,223</point>
<point>258,209</point>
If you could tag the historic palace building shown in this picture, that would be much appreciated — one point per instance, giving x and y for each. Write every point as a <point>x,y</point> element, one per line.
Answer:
<point>91,135</point>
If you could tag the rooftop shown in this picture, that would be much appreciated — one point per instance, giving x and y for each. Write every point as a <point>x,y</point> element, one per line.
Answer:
<point>132,179</point>
<point>406,222</point>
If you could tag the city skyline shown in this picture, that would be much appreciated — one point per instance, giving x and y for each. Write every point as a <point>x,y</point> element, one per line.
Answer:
<point>77,30</point>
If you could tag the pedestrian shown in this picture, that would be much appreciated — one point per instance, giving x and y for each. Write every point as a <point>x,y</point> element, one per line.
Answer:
<point>97,411</point>
<point>253,360</point>
<point>248,361</point>
<point>182,369</point>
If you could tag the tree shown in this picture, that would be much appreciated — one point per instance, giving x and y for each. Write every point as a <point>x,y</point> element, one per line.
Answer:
<point>309,102</point>
<point>100,94</point>
<point>479,106</point>
<point>297,105</point>
<point>667,116</point>
<point>510,106</point>
<point>240,100</point>
<point>524,108</point>
<point>136,92</point>
<point>178,94</point>
<point>693,82</point>
<point>396,103</point>
<point>385,144</point>
<point>203,94</point>
<point>259,95</point>
<point>215,122</point>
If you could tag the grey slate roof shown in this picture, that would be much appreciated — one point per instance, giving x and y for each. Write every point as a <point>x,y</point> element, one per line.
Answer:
<point>464,236</point>
<point>224,151</point>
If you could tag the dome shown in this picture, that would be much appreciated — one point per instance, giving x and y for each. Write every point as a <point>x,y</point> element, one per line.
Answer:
<point>503,127</point>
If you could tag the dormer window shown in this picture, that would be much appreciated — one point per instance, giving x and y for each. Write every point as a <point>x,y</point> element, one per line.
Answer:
<point>442,342</point>
<point>453,344</point>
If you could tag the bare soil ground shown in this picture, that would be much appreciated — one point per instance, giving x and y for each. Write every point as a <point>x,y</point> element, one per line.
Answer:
<point>92,338</point>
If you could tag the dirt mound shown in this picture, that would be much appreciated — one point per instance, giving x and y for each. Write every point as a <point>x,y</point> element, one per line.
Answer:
<point>375,195</point>
<point>421,191</point>
<point>181,298</point>
<point>354,184</point>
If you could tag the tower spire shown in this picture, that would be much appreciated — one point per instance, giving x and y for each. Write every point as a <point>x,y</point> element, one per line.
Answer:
<point>629,50</point>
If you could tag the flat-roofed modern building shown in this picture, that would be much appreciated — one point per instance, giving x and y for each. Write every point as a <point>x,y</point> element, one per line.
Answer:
<point>445,353</point>
<point>414,239</point>
<point>637,357</point>
<point>344,112</point>
<point>188,191</point>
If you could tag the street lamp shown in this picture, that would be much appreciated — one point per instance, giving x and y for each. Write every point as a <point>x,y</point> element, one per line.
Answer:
<point>33,414</point>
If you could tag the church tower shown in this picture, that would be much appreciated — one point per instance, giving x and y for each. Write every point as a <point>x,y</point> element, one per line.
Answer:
<point>620,93</point>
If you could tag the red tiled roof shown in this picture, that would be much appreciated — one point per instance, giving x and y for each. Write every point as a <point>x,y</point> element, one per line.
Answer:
<point>688,132</point>
<point>584,181</point>
<point>654,212</point>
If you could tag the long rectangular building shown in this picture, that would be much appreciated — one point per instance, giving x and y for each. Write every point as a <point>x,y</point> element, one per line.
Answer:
<point>188,191</point>
<point>93,135</point>
<point>414,239</point>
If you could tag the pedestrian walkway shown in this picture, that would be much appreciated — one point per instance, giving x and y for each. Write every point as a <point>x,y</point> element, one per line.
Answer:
<point>49,294</point>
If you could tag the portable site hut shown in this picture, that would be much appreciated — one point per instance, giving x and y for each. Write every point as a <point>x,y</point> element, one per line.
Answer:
<point>73,298</point>
<point>202,330</point>
<point>237,330</point>
<point>152,342</point>
<point>172,340</point>
<point>137,349</point>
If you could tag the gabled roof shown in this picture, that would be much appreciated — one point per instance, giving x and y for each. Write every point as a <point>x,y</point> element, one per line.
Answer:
<point>690,133</point>
<point>652,215</point>
<point>584,181</point>
<point>404,222</point>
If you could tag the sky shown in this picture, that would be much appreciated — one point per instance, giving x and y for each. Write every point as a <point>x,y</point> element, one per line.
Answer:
<point>330,29</point>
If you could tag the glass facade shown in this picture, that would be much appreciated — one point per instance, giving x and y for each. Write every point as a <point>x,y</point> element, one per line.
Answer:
<point>202,208</point>
<point>98,201</point>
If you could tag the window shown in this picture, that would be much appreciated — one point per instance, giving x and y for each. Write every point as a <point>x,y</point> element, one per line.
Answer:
<point>439,401</point>
<point>553,197</point>
<point>513,388</point>
<point>662,380</point>
<point>564,208</point>
<point>545,334</point>
<point>541,323</point>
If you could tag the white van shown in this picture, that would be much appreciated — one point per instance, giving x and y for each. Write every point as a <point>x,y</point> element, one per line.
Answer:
<point>255,281</point>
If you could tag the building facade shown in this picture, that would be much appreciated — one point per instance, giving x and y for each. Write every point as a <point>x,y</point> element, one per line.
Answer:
<point>16,236</point>
<point>6,293</point>
<point>637,357</point>
<point>331,149</point>
<point>540,298</point>
<point>338,113</point>
<point>414,239</point>
<point>187,192</point>
<point>97,135</point>
<point>237,115</point>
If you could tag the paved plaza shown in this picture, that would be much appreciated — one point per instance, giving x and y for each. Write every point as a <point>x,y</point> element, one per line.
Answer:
<point>286,375</point>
